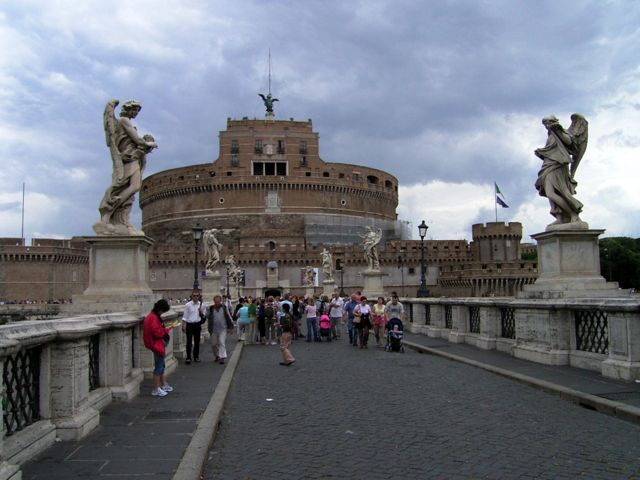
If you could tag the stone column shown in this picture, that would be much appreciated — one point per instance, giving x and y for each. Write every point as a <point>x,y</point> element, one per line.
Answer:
<point>624,346</point>
<point>70,409</point>
<point>118,273</point>
<point>328,286</point>
<point>543,334</point>
<point>489,327</point>
<point>437,320</point>
<point>459,323</point>
<point>569,267</point>
<point>210,285</point>
<point>121,377</point>
<point>373,286</point>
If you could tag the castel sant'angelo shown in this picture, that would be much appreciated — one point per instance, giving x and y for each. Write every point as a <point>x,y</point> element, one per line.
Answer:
<point>276,205</point>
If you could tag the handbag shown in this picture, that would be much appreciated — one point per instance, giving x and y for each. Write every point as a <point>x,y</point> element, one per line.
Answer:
<point>356,318</point>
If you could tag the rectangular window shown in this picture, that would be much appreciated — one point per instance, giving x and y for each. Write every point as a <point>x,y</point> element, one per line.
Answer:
<point>269,168</point>
<point>235,147</point>
<point>234,161</point>
<point>303,147</point>
<point>281,147</point>
<point>258,146</point>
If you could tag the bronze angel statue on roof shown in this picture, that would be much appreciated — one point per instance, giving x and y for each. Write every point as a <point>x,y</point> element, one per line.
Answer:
<point>128,154</point>
<point>560,159</point>
<point>268,102</point>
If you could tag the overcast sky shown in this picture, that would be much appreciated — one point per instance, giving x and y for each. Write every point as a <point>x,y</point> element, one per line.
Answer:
<point>447,96</point>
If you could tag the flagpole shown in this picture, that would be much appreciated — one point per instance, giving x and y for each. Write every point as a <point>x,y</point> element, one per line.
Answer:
<point>22,227</point>
<point>495,199</point>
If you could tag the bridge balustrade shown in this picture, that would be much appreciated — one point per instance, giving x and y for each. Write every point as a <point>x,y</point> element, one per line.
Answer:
<point>58,375</point>
<point>602,335</point>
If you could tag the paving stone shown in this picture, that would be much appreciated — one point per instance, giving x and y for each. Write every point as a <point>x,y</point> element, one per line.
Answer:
<point>393,415</point>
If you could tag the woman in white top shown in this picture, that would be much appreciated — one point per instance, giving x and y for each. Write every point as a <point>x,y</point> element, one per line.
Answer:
<point>312,321</point>
<point>362,321</point>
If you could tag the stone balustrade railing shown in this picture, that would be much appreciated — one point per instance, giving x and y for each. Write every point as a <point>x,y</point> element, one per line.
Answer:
<point>57,375</point>
<point>595,334</point>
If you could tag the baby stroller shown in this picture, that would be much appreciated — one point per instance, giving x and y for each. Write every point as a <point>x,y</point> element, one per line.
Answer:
<point>325,327</point>
<point>395,332</point>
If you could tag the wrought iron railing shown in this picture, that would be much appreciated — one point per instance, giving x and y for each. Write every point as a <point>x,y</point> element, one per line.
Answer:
<point>592,331</point>
<point>21,385</point>
<point>448,322</point>
<point>94,361</point>
<point>427,314</point>
<point>474,319</point>
<point>410,313</point>
<point>507,323</point>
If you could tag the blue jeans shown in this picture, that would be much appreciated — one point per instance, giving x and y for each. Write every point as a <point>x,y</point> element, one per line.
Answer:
<point>312,328</point>
<point>158,364</point>
<point>353,332</point>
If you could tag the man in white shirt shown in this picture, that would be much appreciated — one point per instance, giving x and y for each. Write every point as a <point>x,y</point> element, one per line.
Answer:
<point>335,314</point>
<point>192,320</point>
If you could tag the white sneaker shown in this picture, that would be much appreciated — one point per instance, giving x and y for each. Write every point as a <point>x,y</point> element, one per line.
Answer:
<point>167,388</point>
<point>159,393</point>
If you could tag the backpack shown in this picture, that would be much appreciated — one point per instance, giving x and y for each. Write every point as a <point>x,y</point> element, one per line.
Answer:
<point>269,312</point>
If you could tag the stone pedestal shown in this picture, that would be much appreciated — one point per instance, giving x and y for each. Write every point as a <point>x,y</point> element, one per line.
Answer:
<point>328,286</point>
<point>569,267</point>
<point>309,291</point>
<point>210,286</point>
<point>118,272</point>
<point>373,287</point>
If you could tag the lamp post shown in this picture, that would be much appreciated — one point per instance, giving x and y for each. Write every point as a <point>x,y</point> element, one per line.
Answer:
<point>197,235</point>
<point>340,268</point>
<point>422,291</point>
<point>227,280</point>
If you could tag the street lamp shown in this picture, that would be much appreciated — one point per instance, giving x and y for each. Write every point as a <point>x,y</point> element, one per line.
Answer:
<point>340,268</point>
<point>197,236</point>
<point>228,295</point>
<point>422,291</point>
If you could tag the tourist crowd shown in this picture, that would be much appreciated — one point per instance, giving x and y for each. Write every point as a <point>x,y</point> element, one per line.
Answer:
<point>271,321</point>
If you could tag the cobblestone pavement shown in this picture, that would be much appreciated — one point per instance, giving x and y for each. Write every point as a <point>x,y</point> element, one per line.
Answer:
<point>343,412</point>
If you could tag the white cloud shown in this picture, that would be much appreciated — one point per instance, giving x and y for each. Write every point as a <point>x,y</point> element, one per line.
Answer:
<point>448,208</point>
<point>39,210</point>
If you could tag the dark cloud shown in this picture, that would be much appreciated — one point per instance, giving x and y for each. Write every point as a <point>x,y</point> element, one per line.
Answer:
<point>415,88</point>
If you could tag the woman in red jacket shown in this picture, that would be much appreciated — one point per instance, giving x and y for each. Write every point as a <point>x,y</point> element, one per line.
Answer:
<point>153,334</point>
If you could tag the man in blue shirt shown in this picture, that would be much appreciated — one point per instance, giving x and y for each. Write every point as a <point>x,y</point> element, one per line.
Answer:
<point>349,307</point>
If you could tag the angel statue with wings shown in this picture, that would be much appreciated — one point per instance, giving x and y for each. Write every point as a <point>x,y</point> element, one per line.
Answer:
<point>371,239</point>
<point>327,265</point>
<point>128,154</point>
<point>268,102</point>
<point>560,158</point>
<point>212,248</point>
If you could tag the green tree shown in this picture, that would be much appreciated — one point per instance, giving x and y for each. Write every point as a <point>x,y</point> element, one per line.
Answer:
<point>620,260</point>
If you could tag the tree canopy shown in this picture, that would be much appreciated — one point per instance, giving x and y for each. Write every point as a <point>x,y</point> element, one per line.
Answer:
<point>620,260</point>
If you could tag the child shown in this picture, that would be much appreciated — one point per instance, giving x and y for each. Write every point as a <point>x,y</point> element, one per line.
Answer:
<point>285,323</point>
<point>325,326</point>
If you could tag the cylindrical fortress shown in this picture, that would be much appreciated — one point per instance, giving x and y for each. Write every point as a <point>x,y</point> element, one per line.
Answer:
<point>272,197</point>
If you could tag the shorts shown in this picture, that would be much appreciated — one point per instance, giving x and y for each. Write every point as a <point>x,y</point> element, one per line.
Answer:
<point>379,321</point>
<point>158,364</point>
